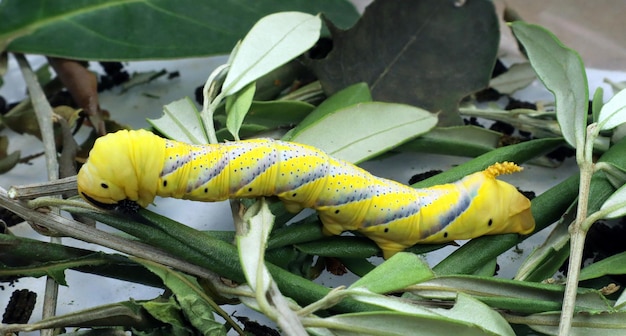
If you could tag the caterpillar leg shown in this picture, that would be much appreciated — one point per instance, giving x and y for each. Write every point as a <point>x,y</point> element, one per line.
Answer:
<point>390,252</point>
<point>331,230</point>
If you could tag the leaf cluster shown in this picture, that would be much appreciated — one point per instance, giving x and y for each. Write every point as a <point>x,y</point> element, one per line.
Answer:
<point>390,83</point>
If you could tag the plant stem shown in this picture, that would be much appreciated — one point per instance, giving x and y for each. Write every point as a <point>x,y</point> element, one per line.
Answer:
<point>212,99</point>
<point>43,113</point>
<point>578,233</point>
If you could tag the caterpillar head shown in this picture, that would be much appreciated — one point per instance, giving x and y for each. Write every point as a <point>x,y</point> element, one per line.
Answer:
<point>122,167</point>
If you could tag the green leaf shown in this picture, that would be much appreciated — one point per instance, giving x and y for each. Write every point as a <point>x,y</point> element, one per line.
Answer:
<point>518,153</point>
<point>278,113</point>
<point>519,296</point>
<point>140,30</point>
<point>548,257</point>
<point>613,113</point>
<point>251,242</point>
<point>213,254</point>
<point>597,103</point>
<point>618,199</point>
<point>615,264</point>
<point>166,311</point>
<point>273,41</point>
<point>265,116</point>
<point>425,53</point>
<point>457,140</point>
<point>195,304</point>
<point>468,317</point>
<point>371,132</point>
<point>353,94</point>
<point>181,122</point>
<point>339,247</point>
<point>562,72</point>
<point>401,270</point>
<point>519,76</point>
<point>237,106</point>
<point>600,324</point>
<point>488,269</point>
<point>477,313</point>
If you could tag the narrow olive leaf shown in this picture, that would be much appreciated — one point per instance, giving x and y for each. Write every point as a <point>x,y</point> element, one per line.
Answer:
<point>615,264</point>
<point>467,140</point>
<point>479,314</point>
<point>488,269</point>
<point>618,199</point>
<point>353,94</point>
<point>518,153</point>
<point>597,103</point>
<point>614,174</point>
<point>53,269</point>
<point>519,76</point>
<point>237,106</point>
<point>616,86</point>
<point>562,72</point>
<point>181,121</point>
<point>613,113</point>
<point>251,242</point>
<point>468,317</point>
<point>401,270</point>
<point>340,246</point>
<point>273,41</point>
<point>371,132</point>
<point>390,302</point>
<point>519,296</point>
<point>277,113</point>
<point>621,301</point>
<point>128,314</point>
<point>546,259</point>
<point>607,323</point>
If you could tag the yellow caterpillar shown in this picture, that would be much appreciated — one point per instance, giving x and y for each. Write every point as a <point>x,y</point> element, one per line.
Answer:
<point>136,166</point>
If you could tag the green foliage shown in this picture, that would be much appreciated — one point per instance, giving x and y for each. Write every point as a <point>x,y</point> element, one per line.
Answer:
<point>155,29</point>
<point>273,262</point>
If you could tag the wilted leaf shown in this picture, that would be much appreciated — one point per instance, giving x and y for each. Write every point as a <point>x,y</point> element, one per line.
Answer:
<point>427,53</point>
<point>7,161</point>
<point>83,86</point>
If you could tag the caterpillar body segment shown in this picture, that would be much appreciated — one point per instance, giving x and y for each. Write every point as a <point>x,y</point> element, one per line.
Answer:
<point>138,166</point>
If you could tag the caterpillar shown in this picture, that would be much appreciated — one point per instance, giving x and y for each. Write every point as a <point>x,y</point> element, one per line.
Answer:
<point>137,166</point>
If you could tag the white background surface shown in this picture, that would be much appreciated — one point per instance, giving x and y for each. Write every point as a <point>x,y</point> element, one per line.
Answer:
<point>133,107</point>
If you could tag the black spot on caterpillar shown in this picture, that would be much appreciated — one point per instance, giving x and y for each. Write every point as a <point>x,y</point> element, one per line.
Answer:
<point>137,166</point>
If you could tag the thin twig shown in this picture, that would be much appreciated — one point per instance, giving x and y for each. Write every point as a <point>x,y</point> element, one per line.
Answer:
<point>34,190</point>
<point>72,228</point>
<point>43,112</point>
